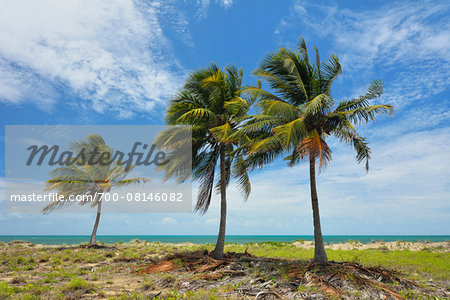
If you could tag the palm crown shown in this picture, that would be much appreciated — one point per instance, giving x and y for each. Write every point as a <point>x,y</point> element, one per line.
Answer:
<point>299,115</point>
<point>89,179</point>
<point>213,104</point>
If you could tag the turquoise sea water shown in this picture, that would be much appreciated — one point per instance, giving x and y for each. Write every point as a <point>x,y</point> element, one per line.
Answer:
<point>202,239</point>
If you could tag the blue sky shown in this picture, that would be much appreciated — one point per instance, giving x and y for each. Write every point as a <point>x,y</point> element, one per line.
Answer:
<point>118,62</point>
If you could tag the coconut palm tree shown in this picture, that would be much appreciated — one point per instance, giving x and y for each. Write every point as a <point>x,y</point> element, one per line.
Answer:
<point>299,115</point>
<point>89,178</point>
<point>212,103</point>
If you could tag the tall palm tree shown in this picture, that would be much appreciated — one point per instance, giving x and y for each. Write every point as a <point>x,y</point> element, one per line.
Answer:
<point>212,103</point>
<point>300,114</point>
<point>89,179</point>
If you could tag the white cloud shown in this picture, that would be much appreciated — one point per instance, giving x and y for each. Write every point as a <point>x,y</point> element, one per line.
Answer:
<point>212,221</point>
<point>168,221</point>
<point>413,120</point>
<point>406,185</point>
<point>226,3</point>
<point>111,53</point>
<point>203,6</point>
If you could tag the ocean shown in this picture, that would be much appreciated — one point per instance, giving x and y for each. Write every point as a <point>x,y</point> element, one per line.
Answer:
<point>203,239</point>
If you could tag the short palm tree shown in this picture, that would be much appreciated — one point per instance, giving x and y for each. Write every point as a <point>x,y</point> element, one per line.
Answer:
<point>89,179</point>
<point>212,103</point>
<point>300,114</point>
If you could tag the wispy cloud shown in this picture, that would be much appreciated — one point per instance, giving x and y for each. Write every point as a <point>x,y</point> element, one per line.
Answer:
<point>203,6</point>
<point>114,55</point>
<point>407,43</point>
<point>395,30</point>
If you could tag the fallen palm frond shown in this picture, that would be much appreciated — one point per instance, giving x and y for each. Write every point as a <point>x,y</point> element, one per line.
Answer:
<point>221,274</point>
<point>263,294</point>
<point>163,266</point>
<point>324,285</point>
<point>334,280</point>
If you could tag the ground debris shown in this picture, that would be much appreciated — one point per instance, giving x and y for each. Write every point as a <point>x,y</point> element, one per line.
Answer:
<point>283,279</point>
<point>162,266</point>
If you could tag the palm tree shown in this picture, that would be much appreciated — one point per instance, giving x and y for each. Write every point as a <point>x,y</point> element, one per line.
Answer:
<point>300,115</point>
<point>212,103</point>
<point>89,179</point>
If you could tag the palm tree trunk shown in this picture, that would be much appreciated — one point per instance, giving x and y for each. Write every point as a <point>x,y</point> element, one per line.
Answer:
<point>218,250</point>
<point>97,220</point>
<point>320,255</point>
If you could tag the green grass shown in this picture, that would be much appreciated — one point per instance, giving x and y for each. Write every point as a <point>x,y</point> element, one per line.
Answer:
<point>5,290</point>
<point>78,287</point>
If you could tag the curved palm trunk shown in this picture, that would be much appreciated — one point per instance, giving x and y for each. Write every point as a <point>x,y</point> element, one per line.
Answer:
<point>320,255</point>
<point>97,220</point>
<point>218,250</point>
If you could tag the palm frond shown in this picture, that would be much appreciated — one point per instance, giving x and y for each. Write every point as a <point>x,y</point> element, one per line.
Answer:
<point>128,181</point>
<point>367,113</point>
<point>359,144</point>
<point>374,91</point>
<point>197,116</point>
<point>321,103</point>
<point>205,189</point>
<point>279,109</point>
<point>301,46</point>
<point>316,147</point>
<point>241,173</point>
<point>291,133</point>
<point>332,69</point>
<point>222,133</point>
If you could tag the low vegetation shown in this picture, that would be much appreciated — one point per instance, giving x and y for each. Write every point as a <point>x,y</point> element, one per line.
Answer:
<point>143,270</point>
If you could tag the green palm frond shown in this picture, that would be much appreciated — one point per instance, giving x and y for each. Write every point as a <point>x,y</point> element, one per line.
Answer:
<point>332,69</point>
<point>261,123</point>
<point>237,106</point>
<point>223,133</point>
<point>359,144</point>
<point>262,94</point>
<point>271,143</point>
<point>196,116</point>
<point>287,89</point>
<point>241,173</point>
<point>278,108</point>
<point>291,133</point>
<point>321,103</point>
<point>260,159</point>
<point>302,49</point>
<point>206,187</point>
<point>366,114</point>
<point>374,91</point>
<point>298,70</point>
